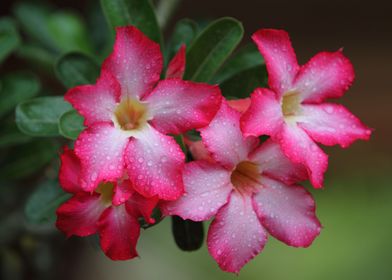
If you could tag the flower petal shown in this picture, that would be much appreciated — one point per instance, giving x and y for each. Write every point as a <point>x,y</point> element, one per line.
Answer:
<point>178,106</point>
<point>123,190</point>
<point>140,206</point>
<point>100,149</point>
<point>287,212</point>
<point>69,171</point>
<point>279,56</point>
<point>332,124</point>
<point>326,75</point>
<point>241,105</point>
<point>224,139</point>
<point>118,233</point>
<point>176,67</point>
<point>207,188</point>
<point>155,163</point>
<point>236,235</point>
<point>274,163</point>
<point>79,215</point>
<point>96,103</point>
<point>136,62</point>
<point>198,150</point>
<point>299,148</point>
<point>264,116</point>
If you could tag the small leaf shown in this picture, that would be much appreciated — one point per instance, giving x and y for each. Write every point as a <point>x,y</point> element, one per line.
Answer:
<point>211,48</point>
<point>42,204</point>
<point>71,124</point>
<point>15,88</point>
<point>9,37</point>
<point>188,235</point>
<point>40,116</point>
<point>247,57</point>
<point>38,57</point>
<point>139,13</point>
<point>184,32</point>
<point>243,83</point>
<point>24,160</point>
<point>74,69</point>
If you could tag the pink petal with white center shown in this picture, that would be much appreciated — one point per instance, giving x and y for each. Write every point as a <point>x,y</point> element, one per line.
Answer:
<point>326,75</point>
<point>236,235</point>
<point>140,206</point>
<point>176,67</point>
<point>332,124</point>
<point>136,62</point>
<point>79,215</point>
<point>224,139</point>
<point>279,56</point>
<point>178,106</point>
<point>274,163</point>
<point>241,105</point>
<point>300,148</point>
<point>100,149</point>
<point>287,212</point>
<point>118,233</point>
<point>122,192</point>
<point>69,171</point>
<point>264,116</point>
<point>207,188</point>
<point>96,103</point>
<point>155,162</point>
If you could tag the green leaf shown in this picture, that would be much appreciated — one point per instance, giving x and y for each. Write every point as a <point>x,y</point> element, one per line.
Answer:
<point>247,57</point>
<point>37,56</point>
<point>74,69</point>
<point>42,204</point>
<point>40,116</point>
<point>10,136</point>
<point>188,234</point>
<point>184,32</point>
<point>15,88</point>
<point>211,48</point>
<point>139,13</point>
<point>71,124</point>
<point>57,31</point>
<point>25,160</point>
<point>9,37</point>
<point>243,83</point>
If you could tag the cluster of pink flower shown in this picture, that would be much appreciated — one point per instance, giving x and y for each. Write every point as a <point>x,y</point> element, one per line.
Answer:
<point>124,164</point>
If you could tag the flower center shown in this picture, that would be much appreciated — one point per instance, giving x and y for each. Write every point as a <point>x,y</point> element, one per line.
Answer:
<point>290,104</point>
<point>245,177</point>
<point>106,191</point>
<point>130,114</point>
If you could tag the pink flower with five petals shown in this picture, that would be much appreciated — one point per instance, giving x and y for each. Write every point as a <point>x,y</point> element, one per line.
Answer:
<point>112,210</point>
<point>128,113</point>
<point>293,113</point>
<point>249,188</point>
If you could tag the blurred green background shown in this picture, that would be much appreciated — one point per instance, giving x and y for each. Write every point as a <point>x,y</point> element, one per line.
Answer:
<point>355,207</point>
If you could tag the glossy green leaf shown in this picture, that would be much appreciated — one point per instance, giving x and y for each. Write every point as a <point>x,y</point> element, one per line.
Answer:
<point>184,32</point>
<point>57,31</point>
<point>38,57</point>
<point>247,57</point>
<point>40,116</point>
<point>71,124</point>
<point>188,235</point>
<point>243,83</point>
<point>139,13</point>
<point>15,88</point>
<point>74,69</point>
<point>211,48</point>
<point>25,160</point>
<point>42,204</point>
<point>9,37</point>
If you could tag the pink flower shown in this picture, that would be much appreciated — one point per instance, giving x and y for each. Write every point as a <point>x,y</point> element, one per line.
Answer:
<point>293,112</point>
<point>250,190</point>
<point>128,113</point>
<point>112,210</point>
